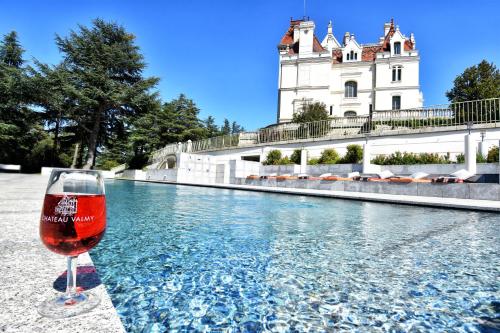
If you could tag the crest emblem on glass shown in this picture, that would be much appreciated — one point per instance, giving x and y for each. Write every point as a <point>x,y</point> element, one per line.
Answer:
<point>73,221</point>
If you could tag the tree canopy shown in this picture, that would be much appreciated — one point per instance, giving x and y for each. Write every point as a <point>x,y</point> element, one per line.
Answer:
<point>106,71</point>
<point>21,130</point>
<point>311,112</point>
<point>94,108</point>
<point>476,82</point>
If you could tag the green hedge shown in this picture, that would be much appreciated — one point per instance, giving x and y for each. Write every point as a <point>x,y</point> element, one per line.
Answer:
<point>354,155</point>
<point>399,158</point>
<point>492,155</point>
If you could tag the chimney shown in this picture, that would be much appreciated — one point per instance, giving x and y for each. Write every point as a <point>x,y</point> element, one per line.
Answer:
<point>387,26</point>
<point>306,37</point>
<point>296,33</point>
<point>347,37</point>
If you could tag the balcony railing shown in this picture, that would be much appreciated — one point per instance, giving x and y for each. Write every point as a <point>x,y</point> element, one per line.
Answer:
<point>454,116</point>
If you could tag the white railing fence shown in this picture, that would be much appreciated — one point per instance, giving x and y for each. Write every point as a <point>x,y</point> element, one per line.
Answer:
<point>454,116</point>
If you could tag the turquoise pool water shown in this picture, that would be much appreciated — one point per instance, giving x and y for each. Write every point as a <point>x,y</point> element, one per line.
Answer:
<point>200,259</point>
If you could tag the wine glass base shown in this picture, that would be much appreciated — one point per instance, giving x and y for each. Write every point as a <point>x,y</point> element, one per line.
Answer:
<point>66,306</point>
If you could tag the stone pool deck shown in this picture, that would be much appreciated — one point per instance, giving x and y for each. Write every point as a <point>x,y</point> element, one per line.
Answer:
<point>428,201</point>
<point>30,272</point>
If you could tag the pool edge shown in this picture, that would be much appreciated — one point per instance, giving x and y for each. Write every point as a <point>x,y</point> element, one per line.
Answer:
<point>434,202</point>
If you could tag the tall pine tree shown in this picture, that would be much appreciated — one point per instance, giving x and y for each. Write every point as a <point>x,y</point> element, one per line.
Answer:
<point>481,81</point>
<point>178,121</point>
<point>226,127</point>
<point>20,127</point>
<point>106,67</point>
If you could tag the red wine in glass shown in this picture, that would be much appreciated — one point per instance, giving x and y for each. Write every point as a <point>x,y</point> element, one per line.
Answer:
<point>73,221</point>
<point>73,233</point>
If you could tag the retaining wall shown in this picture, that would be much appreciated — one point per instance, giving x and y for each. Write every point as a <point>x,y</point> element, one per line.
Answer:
<point>463,191</point>
<point>433,169</point>
<point>134,174</point>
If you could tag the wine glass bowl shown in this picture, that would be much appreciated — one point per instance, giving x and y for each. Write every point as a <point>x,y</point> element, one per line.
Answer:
<point>73,221</point>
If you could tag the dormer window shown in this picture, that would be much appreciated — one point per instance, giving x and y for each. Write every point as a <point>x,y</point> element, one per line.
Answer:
<point>352,56</point>
<point>397,48</point>
<point>396,73</point>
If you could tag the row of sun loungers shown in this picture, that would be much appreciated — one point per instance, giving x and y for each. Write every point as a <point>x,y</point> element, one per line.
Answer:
<point>384,176</point>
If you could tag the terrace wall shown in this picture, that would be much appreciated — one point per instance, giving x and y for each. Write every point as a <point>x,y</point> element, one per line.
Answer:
<point>463,191</point>
<point>434,169</point>
<point>451,142</point>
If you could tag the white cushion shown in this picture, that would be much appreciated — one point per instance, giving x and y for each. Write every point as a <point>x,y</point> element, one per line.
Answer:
<point>462,174</point>
<point>418,175</point>
<point>352,174</point>
<point>325,174</point>
<point>385,174</point>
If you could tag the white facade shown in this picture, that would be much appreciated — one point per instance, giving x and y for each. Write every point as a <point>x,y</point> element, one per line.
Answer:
<point>350,78</point>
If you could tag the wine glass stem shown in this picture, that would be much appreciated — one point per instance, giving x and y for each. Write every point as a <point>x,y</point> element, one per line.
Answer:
<point>71,277</point>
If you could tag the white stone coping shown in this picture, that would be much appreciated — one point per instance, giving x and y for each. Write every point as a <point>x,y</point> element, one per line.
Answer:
<point>10,167</point>
<point>437,202</point>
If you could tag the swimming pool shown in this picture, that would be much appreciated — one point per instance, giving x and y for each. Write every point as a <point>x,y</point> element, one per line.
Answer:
<point>195,258</point>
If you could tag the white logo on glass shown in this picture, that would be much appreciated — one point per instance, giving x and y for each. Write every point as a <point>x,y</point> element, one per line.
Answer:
<point>67,206</point>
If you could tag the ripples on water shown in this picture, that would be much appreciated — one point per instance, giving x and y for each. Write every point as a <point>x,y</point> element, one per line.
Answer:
<point>201,259</point>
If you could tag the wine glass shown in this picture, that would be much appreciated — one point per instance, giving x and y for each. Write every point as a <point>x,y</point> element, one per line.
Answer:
<point>73,221</point>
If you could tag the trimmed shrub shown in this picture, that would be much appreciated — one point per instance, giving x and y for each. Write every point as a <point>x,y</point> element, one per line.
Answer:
<point>295,157</point>
<point>284,161</point>
<point>109,164</point>
<point>353,155</point>
<point>480,158</point>
<point>329,156</point>
<point>273,157</point>
<point>492,155</point>
<point>313,161</point>
<point>405,158</point>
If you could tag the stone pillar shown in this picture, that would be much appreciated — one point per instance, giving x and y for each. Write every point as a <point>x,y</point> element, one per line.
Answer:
<point>470,154</point>
<point>367,167</point>
<point>179,147</point>
<point>483,149</point>
<point>189,146</point>
<point>303,161</point>
<point>263,155</point>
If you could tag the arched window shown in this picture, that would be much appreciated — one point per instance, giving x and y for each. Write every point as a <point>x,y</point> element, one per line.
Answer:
<point>350,114</point>
<point>397,48</point>
<point>351,89</point>
<point>171,162</point>
<point>356,56</point>
<point>396,73</point>
<point>352,55</point>
<point>347,56</point>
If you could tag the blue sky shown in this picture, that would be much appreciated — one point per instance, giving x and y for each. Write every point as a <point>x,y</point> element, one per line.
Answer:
<point>223,54</point>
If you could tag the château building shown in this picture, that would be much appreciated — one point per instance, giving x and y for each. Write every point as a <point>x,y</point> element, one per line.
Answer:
<point>350,78</point>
